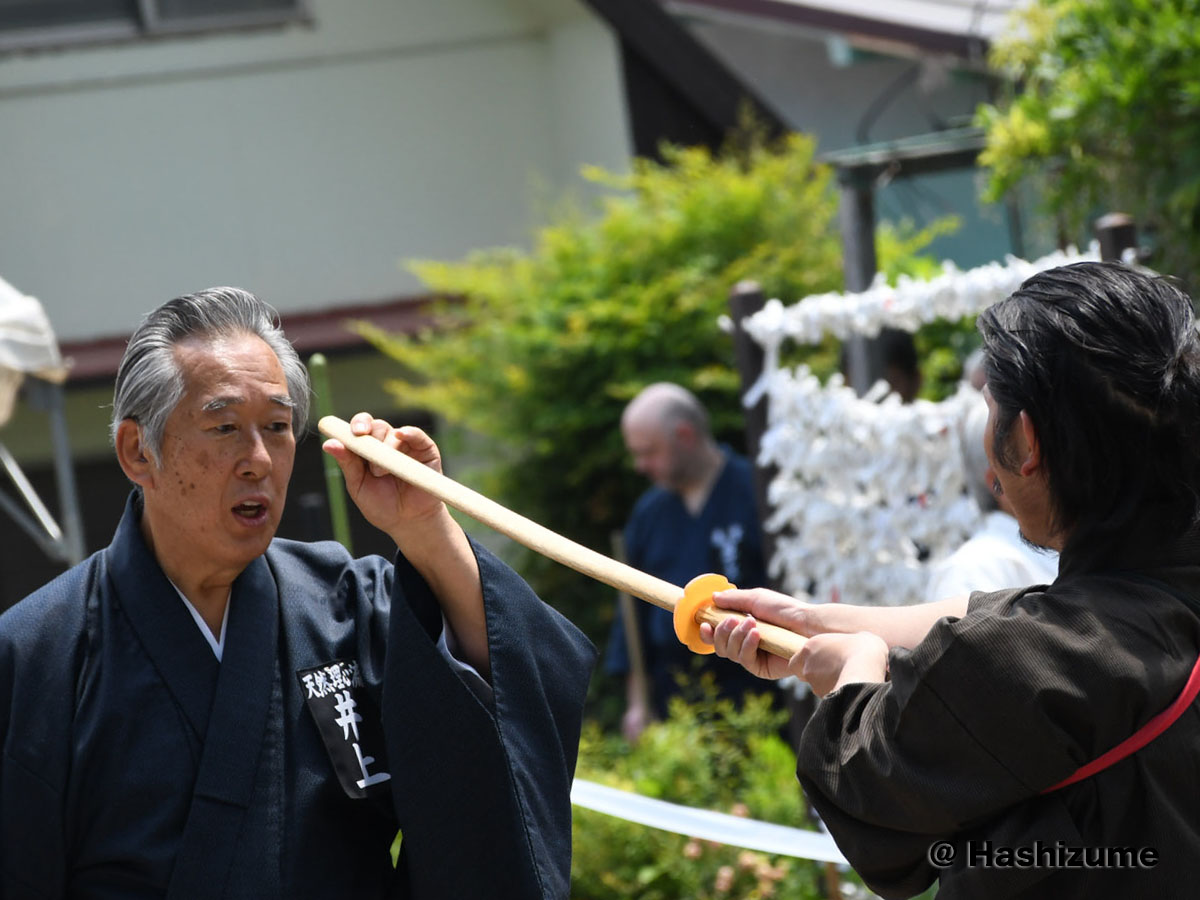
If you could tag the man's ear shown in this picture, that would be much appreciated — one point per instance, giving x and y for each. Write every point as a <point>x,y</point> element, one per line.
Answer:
<point>685,434</point>
<point>1032,460</point>
<point>132,454</point>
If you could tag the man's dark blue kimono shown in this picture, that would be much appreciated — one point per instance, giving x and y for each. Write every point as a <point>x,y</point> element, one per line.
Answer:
<point>667,540</point>
<point>137,765</point>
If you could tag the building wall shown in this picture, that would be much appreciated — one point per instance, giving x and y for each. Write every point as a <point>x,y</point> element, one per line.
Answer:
<point>305,163</point>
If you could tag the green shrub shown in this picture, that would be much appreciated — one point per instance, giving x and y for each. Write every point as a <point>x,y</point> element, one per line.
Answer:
<point>539,351</point>
<point>710,755</point>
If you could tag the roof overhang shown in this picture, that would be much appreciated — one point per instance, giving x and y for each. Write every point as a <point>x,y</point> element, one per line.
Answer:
<point>922,154</point>
<point>961,28</point>
<point>324,330</point>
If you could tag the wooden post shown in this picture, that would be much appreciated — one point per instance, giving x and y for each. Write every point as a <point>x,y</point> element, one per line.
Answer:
<point>633,634</point>
<point>745,299</point>
<point>856,218</point>
<point>1116,233</point>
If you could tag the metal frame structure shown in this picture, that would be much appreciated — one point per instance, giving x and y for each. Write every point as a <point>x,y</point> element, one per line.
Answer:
<point>859,171</point>
<point>62,543</point>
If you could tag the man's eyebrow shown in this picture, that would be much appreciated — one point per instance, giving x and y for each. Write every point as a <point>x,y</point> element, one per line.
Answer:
<point>219,403</point>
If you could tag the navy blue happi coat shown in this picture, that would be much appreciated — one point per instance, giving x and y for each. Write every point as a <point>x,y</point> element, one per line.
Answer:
<point>136,765</point>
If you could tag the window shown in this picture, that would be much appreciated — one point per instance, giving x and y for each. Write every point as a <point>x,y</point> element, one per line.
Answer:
<point>34,23</point>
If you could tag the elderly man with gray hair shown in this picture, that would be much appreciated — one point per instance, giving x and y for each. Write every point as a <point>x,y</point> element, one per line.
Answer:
<point>996,556</point>
<point>697,516</point>
<point>203,710</point>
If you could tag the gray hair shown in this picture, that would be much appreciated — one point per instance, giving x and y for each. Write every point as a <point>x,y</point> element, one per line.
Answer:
<point>670,404</point>
<point>974,372</point>
<point>149,381</point>
<point>974,459</point>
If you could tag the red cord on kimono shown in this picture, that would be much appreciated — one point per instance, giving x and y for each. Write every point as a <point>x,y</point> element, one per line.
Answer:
<point>1142,736</point>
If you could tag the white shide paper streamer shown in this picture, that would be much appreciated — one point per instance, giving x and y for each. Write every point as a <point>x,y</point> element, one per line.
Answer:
<point>863,480</point>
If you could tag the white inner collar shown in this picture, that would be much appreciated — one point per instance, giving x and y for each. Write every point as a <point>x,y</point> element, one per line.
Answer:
<point>216,642</point>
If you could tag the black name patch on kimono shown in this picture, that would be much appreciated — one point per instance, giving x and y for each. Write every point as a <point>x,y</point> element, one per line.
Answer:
<point>348,722</point>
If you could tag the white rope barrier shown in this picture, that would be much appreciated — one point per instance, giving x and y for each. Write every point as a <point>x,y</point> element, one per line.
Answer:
<point>705,824</point>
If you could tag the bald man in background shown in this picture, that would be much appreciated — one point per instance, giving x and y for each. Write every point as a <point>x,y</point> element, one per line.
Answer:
<point>697,517</point>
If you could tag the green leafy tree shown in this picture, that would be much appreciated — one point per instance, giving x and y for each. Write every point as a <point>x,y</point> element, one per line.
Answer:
<point>539,351</point>
<point>1103,113</point>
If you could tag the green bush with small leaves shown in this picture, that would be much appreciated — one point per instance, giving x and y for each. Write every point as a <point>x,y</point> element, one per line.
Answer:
<point>706,754</point>
<point>538,351</point>
<point>1102,112</point>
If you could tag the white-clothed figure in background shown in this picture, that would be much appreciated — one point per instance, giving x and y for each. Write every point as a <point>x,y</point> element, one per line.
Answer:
<point>995,557</point>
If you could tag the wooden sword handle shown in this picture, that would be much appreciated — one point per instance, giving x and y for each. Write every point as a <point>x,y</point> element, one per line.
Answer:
<point>775,640</point>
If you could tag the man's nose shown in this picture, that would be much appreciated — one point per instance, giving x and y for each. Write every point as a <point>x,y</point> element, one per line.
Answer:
<point>256,459</point>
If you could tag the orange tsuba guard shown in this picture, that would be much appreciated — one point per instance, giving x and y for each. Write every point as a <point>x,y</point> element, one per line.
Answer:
<point>697,595</point>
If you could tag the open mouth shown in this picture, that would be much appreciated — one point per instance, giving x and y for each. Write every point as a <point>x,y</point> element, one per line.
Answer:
<point>250,511</point>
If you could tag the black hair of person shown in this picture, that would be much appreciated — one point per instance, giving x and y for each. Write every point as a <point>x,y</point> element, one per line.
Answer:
<point>1105,360</point>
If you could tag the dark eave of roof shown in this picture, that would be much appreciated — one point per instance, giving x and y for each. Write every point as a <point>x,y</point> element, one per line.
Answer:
<point>322,330</point>
<point>699,77</point>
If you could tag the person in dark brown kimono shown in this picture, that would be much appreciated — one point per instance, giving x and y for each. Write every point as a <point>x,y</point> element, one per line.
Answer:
<point>1038,741</point>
